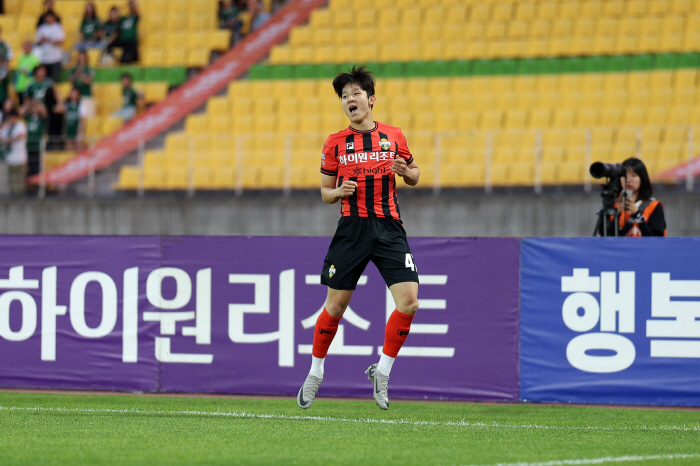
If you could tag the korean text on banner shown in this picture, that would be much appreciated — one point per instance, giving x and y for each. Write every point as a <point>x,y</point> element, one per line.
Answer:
<point>606,320</point>
<point>236,315</point>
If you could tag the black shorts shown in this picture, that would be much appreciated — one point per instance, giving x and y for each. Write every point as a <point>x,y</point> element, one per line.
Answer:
<point>359,240</point>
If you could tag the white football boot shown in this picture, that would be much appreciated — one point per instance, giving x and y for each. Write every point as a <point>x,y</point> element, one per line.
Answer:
<point>307,392</point>
<point>380,383</point>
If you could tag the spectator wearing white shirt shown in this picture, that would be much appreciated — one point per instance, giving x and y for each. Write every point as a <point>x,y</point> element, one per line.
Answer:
<point>13,136</point>
<point>49,38</point>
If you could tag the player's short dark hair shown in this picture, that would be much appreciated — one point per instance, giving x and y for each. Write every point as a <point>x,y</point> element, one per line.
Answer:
<point>637,166</point>
<point>358,74</point>
<point>127,75</point>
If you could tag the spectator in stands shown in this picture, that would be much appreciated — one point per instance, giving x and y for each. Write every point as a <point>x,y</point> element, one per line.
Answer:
<point>35,116</point>
<point>90,30</point>
<point>229,18</point>
<point>128,34</point>
<point>7,105</point>
<point>42,90</point>
<point>5,57</point>
<point>50,37</point>
<point>24,75</point>
<point>74,119</point>
<point>48,8</point>
<point>110,33</point>
<point>13,136</point>
<point>130,100</point>
<point>258,16</point>
<point>82,77</point>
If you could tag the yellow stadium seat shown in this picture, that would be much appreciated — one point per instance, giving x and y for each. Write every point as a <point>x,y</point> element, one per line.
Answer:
<point>153,177</point>
<point>525,11</point>
<point>153,57</point>
<point>197,124</point>
<point>176,178</point>
<point>203,177</point>
<point>128,177</point>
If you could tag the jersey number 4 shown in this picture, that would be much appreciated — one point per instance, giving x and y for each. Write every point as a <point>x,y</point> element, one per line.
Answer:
<point>409,262</point>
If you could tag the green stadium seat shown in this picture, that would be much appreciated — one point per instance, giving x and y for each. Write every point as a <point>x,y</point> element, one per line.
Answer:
<point>618,63</point>
<point>460,68</point>
<point>665,61</point>
<point>176,75</point>
<point>259,71</point>
<point>595,64</point>
<point>325,71</point>
<point>281,72</point>
<point>642,62</point>
<point>154,74</point>
<point>394,69</point>
<point>305,71</point>
<point>688,60</point>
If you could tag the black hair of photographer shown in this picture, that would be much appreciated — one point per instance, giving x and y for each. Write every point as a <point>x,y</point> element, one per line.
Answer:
<point>640,213</point>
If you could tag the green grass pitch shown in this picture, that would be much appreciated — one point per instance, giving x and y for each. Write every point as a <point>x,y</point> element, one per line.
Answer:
<point>48,429</point>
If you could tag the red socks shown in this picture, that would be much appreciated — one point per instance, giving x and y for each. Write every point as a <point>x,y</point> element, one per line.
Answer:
<point>395,334</point>
<point>326,327</point>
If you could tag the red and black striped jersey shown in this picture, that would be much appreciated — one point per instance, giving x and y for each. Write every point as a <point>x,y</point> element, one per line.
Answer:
<point>366,157</point>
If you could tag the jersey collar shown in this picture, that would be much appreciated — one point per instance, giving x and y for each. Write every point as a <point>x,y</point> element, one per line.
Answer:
<point>376,125</point>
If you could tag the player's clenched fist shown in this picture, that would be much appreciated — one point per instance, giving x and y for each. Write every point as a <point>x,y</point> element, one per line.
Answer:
<point>347,188</point>
<point>399,167</point>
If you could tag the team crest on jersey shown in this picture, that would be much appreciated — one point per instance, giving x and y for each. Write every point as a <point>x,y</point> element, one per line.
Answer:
<point>384,144</point>
<point>331,271</point>
<point>350,146</point>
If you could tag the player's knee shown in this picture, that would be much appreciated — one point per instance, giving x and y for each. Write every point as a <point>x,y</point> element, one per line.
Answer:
<point>336,309</point>
<point>409,307</point>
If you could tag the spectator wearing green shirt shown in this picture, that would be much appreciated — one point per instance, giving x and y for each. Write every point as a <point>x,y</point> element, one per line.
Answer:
<point>110,34</point>
<point>42,90</point>
<point>90,30</point>
<point>82,77</point>
<point>128,36</point>
<point>229,19</point>
<point>74,116</point>
<point>130,100</point>
<point>24,74</point>
<point>5,57</point>
<point>35,118</point>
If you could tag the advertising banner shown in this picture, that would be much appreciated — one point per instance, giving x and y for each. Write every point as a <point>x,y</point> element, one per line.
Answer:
<point>605,320</point>
<point>187,98</point>
<point>237,315</point>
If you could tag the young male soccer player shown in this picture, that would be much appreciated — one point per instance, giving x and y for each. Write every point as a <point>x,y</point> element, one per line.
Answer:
<point>358,166</point>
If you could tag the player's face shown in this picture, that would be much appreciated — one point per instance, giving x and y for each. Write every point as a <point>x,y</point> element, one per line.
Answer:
<point>356,104</point>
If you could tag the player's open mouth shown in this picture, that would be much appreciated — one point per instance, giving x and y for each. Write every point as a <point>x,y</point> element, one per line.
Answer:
<point>352,108</point>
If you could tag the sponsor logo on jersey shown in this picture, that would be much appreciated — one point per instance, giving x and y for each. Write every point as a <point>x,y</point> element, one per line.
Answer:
<point>362,157</point>
<point>350,146</point>
<point>384,144</point>
<point>331,271</point>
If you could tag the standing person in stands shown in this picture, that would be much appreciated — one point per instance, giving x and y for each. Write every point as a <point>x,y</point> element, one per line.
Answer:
<point>110,33</point>
<point>74,115</point>
<point>50,37</point>
<point>82,77</point>
<point>48,8</point>
<point>130,100</point>
<point>90,30</point>
<point>128,34</point>
<point>42,90</point>
<point>13,136</point>
<point>229,18</point>
<point>358,167</point>
<point>24,75</point>
<point>5,58</point>
<point>640,213</point>
<point>35,116</point>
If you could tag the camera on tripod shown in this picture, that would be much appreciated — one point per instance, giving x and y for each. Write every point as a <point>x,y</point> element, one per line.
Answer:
<point>609,192</point>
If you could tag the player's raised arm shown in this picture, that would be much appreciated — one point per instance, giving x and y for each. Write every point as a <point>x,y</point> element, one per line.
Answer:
<point>332,194</point>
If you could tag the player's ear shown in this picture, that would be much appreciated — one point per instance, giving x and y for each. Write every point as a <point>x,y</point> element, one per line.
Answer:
<point>372,100</point>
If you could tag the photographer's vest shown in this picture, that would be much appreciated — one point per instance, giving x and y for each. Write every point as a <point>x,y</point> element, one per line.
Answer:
<point>647,208</point>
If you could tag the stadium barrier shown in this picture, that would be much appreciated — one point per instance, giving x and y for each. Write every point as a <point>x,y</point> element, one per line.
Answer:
<point>592,320</point>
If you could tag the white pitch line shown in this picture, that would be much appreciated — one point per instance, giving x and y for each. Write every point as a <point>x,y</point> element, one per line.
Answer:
<point>607,459</point>
<point>244,414</point>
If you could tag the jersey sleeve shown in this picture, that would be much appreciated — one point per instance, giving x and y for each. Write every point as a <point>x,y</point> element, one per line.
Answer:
<point>402,148</point>
<point>329,160</point>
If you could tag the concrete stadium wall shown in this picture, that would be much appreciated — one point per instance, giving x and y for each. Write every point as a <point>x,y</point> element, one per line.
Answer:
<point>512,214</point>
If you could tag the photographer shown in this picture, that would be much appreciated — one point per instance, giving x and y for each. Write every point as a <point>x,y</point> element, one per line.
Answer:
<point>640,213</point>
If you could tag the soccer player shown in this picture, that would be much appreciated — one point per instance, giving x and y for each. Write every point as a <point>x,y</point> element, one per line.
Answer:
<point>358,166</point>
